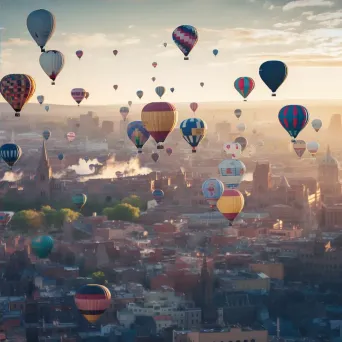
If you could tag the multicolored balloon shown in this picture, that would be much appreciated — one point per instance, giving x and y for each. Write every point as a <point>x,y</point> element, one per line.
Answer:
<point>78,94</point>
<point>115,86</point>
<point>10,154</point>
<point>231,204</point>
<point>124,111</point>
<point>316,124</point>
<point>238,113</point>
<point>169,151</point>
<point>71,136</point>
<point>312,147</point>
<point>140,94</point>
<point>46,134</point>
<point>194,106</point>
<point>160,91</point>
<point>52,63</point>
<point>92,301</point>
<point>232,149</point>
<point>244,86</point>
<point>185,37</point>
<point>242,141</point>
<point>17,89</point>
<point>293,118</point>
<point>159,118</point>
<point>138,134</point>
<point>232,172</point>
<point>79,200</point>
<point>212,190</point>
<point>215,52</point>
<point>299,147</point>
<point>193,131</point>
<point>79,54</point>
<point>41,25</point>
<point>158,195</point>
<point>273,74</point>
<point>40,99</point>
<point>42,246</point>
<point>155,156</point>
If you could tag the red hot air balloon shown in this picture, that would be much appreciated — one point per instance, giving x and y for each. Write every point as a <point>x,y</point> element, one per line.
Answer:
<point>115,52</point>
<point>78,94</point>
<point>194,106</point>
<point>154,64</point>
<point>79,54</point>
<point>244,86</point>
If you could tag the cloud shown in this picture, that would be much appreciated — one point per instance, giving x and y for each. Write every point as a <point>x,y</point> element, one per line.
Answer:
<point>17,42</point>
<point>289,24</point>
<point>172,52</point>
<point>328,19</point>
<point>307,3</point>
<point>99,40</point>
<point>131,26</point>
<point>217,64</point>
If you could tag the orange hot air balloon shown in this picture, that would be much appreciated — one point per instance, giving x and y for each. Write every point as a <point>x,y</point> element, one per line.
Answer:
<point>159,118</point>
<point>231,204</point>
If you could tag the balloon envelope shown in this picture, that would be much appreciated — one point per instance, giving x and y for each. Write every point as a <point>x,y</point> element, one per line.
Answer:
<point>293,118</point>
<point>231,204</point>
<point>46,134</point>
<point>140,94</point>
<point>299,147</point>
<point>244,86</point>
<point>47,108</point>
<point>10,153</point>
<point>193,106</point>
<point>79,54</point>
<point>155,156</point>
<point>160,91</point>
<point>232,172</point>
<point>79,200</point>
<point>312,147</point>
<point>232,148</point>
<point>138,134</point>
<point>169,151</point>
<point>42,246</point>
<point>61,156</point>
<point>71,136</point>
<point>238,113</point>
<point>212,190</point>
<point>52,62</point>
<point>185,37</point>
<point>40,99</point>
<point>215,52</point>
<point>193,131</point>
<point>242,141</point>
<point>124,111</point>
<point>316,124</point>
<point>241,127</point>
<point>78,94</point>
<point>273,73</point>
<point>158,195</point>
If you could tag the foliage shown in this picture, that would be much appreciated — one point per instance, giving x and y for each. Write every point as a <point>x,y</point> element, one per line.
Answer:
<point>122,212</point>
<point>134,201</point>
<point>27,220</point>
<point>99,278</point>
<point>56,218</point>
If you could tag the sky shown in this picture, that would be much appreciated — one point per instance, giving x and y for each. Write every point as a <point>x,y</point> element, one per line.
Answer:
<point>305,34</point>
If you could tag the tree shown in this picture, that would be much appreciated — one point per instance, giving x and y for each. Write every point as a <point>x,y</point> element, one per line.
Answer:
<point>122,212</point>
<point>49,215</point>
<point>56,218</point>
<point>134,201</point>
<point>68,215</point>
<point>27,220</point>
<point>99,278</point>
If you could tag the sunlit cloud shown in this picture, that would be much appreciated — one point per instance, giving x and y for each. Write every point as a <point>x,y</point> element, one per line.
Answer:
<point>289,24</point>
<point>16,42</point>
<point>307,3</point>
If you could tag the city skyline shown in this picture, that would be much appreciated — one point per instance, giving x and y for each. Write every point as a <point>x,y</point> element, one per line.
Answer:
<point>305,34</point>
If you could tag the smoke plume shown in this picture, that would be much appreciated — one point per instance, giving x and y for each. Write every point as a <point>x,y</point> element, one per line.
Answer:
<point>11,177</point>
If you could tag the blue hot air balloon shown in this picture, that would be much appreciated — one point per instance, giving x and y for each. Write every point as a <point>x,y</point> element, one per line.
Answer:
<point>193,131</point>
<point>215,52</point>
<point>212,190</point>
<point>158,195</point>
<point>46,134</point>
<point>160,91</point>
<point>42,246</point>
<point>172,90</point>
<point>41,25</point>
<point>185,37</point>
<point>61,156</point>
<point>138,134</point>
<point>10,154</point>
<point>293,118</point>
<point>273,73</point>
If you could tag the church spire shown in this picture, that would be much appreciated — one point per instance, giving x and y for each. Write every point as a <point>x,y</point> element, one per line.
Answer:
<point>44,160</point>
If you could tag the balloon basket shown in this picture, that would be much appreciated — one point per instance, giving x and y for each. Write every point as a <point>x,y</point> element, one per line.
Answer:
<point>17,115</point>
<point>186,58</point>
<point>160,147</point>
<point>193,151</point>
<point>140,151</point>
<point>244,100</point>
<point>274,95</point>
<point>53,83</point>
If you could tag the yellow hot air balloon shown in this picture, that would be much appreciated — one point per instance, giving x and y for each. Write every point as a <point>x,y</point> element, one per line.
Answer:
<point>230,204</point>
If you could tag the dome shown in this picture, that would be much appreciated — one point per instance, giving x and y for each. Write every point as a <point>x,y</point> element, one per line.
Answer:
<point>328,159</point>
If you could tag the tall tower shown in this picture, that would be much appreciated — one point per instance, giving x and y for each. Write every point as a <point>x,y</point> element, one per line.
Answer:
<point>43,175</point>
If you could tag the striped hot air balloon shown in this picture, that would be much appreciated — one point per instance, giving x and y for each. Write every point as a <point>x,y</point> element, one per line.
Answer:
<point>159,118</point>
<point>299,147</point>
<point>193,131</point>
<point>160,91</point>
<point>138,134</point>
<point>92,301</point>
<point>185,37</point>
<point>78,94</point>
<point>244,86</point>
<point>230,204</point>
<point>10,154</point>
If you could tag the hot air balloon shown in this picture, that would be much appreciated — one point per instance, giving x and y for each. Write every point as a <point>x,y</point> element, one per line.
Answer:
<point>244,86</point>
<point>169,151</point>
<point>160,91</point>
<point>115,52</point>
<point>215,52</point>
<point>87,95</point>
<point>293,118</point>
<point>273,73</point>
<point>202,84</point>
<point>46,134</point>
<point>40,99</point>
<point>86,159</point>
<point>312,147</point>
<point>10,154</point>
<point>238,113</point>
<point>42,246</point>
<point>212,190</point>
<point>140,94</point>
<point>299,147</point>
<point>130,103</point>
<point>138,134</point>
<point>193,131</point>
<point>154,64</point>
<point>78,94</point>
<point>242,141</point>
<point>316,124</point>
<point>79,54</point>
<point>47,108</point>
<point>185,37</point>
<point>71,136</point>
<point>158,195</point>
<point>230,204</point>
<point>17,89</point>
<point>60,156</point>
<point>165,44</point>
<point>155,156</point>
<point>52,63</point>
<point>232,149</point>
<point>159,118</point>
<point>124,111</point>
<point>115,86</point>
<point>241,127</point>
<point>172,90</point>
<point>232,172</point>
<point>41,25</point>
<point>153,79</point>
<point>193,106</point>
<point>79,200</point>
<point>92,301</point>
